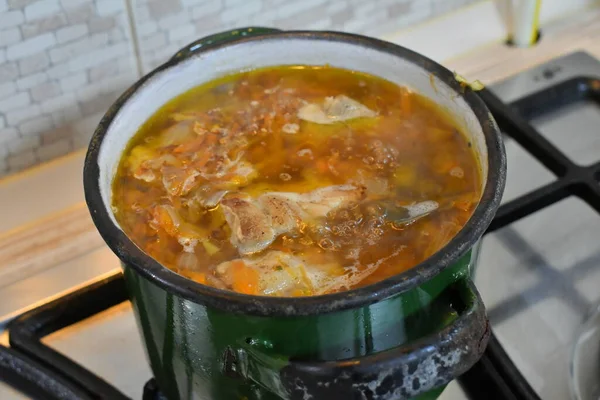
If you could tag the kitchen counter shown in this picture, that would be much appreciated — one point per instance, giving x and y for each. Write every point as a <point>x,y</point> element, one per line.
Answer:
<point>50,246</point>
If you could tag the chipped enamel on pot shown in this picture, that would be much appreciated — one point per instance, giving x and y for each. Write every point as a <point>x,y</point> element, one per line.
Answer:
<point>406,336</point>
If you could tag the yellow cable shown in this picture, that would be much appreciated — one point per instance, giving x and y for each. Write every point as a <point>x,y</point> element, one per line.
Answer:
<point>536,22</point>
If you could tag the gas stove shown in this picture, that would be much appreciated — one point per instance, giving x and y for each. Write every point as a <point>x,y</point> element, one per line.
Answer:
<point>538,274</point>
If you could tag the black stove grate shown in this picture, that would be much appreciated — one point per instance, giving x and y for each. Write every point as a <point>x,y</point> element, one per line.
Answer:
<point>36,380</point>
<point>42,372</point>
<point>152,392</point>
<point>26,332</point>
<point>572,179</point>
<point>495,376</point>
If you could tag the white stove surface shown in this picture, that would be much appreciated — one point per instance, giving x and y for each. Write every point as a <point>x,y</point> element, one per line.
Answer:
<point>538,277</point>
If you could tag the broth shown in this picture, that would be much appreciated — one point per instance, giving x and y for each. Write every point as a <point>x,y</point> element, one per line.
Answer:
<point>295,181</point>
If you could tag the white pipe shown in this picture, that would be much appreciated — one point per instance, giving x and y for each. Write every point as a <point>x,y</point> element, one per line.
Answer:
<point>525,22</point>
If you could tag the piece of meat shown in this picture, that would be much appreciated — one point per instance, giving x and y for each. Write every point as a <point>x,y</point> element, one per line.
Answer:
<point>212,199</point>
<point>281,274</point>
<point>283,215</point>
<point>320,201</point>
<point>335,109</point>
<point>255,223</point>
<point>251,229</point>
<point>178,181</point>
<point>418,210</point>
<point>406,214</point>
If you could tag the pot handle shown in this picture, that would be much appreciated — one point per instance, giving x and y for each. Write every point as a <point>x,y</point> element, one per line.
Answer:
<point>219,38</point>
<point>401,372</point>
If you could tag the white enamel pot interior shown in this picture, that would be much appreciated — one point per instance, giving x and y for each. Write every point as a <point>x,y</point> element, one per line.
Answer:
<point>396,64</point>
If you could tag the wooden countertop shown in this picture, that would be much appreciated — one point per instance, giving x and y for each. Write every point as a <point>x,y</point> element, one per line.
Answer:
<point>47,242</point>
<point>497,61</point>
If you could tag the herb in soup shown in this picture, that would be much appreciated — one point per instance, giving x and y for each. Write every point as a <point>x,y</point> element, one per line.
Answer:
<point>295,181</point>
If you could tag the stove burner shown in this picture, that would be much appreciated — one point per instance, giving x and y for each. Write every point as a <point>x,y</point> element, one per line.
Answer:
<point>151,391</point>
<point>41,372</point>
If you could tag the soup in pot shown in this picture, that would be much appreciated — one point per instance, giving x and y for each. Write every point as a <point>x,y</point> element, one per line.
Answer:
<point>295,181</point>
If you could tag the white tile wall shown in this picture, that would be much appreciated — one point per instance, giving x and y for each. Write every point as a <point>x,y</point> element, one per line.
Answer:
<point>63,62</point>
<point>49,77</point>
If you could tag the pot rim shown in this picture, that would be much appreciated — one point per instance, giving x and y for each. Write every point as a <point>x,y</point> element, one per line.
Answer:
<point>146,266</point>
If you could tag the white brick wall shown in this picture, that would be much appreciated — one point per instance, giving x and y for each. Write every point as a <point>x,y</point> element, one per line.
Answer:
<point>7,135</point>
<point>19,100</point>
<point>33,126</point>
<point>31,80</point>
<point>163,27</point>
<point>181,32</point>
<point>51,50</point>
<point>242,9</point>
<point>69,50</point>
<point>28,143</point>
<point>58,103</point>
<point>44,91</point>
<point>16,116</point>
<point>17,162</point>
<point>34,63</point>
<point>30,46</point>
<point>10,36</point>
<point>206,8</point>
<point>11,18</point>
<point>63,62</point>
<point>73,82</point>
<point>53,150</point>
<point>7,89</point>
<point>71,3</point>
<point>70,33</point>
<point>41,9</point>
<point>108,7</point>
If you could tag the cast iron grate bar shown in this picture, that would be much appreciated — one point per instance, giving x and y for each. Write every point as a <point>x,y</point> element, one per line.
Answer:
<point>36,380</point>
<point>152,392</point>
<point>495,377</point>
<point>519,129</point>
<point>529,203</point>
<point>572,179</point>
<point>493,374</point>
<point>26,332</point>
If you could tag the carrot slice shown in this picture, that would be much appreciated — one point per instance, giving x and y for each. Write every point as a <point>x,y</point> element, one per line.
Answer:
<point>211,139</point>
<point>195,276</point>
<point>464,203</point>
<point>245,279</point>
<point>322,166</point>
<point>201,160</point>
<point>164,220</point>
<point>406,102</point>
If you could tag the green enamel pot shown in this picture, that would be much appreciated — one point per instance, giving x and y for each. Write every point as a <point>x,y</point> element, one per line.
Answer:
<point>404,337</point>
